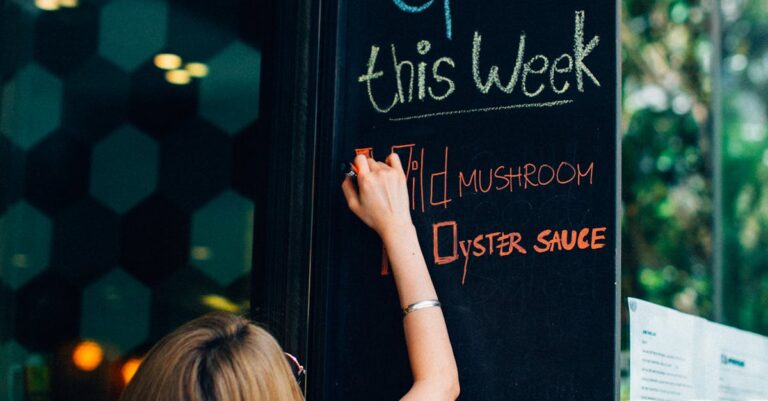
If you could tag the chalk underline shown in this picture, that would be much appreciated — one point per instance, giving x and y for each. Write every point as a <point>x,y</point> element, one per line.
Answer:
<point>484,110</point>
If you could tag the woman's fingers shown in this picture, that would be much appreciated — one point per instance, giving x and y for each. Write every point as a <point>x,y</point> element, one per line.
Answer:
<point>361,162</point>
<point>394,161</point>
<point>367,164</point>
<point>380,197</point>
<point>350,193</point>
<point>372,164</point>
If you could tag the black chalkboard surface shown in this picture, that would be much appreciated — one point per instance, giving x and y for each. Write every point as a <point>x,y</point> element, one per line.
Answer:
<point>505,115</point>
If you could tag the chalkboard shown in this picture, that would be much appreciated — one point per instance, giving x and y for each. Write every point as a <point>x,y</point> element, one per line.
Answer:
<point>504,113</point>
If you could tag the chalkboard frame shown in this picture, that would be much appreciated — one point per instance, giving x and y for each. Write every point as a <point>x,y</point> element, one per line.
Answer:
<point>324,176</point>
<point>618,211</point>
<point>289,283</point>
<point>283,218</point>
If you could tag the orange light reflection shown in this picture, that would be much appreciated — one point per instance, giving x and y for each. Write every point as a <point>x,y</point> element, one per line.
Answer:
<point>87,355</point>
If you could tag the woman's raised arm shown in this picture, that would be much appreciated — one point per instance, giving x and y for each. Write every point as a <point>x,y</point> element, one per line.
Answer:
<point>380,199</point>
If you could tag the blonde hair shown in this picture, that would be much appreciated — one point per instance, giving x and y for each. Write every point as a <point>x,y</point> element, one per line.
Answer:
<point>217,357</point>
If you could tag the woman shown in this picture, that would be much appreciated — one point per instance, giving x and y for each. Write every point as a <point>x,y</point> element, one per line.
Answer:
<point>222,357</point>
<point>218,357</point>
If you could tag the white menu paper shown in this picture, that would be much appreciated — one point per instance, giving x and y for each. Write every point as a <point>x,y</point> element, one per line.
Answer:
<point>679,357</point>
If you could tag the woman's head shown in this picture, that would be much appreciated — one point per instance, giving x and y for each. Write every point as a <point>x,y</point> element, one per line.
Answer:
<point>218,357</point>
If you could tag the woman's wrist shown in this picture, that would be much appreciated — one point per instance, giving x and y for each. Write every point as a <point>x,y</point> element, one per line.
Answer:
<point>394,233</point>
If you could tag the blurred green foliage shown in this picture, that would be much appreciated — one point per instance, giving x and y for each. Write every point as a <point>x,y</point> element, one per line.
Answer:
<point>667,154</point>
<point>745,163</point>
<point>669,158</point>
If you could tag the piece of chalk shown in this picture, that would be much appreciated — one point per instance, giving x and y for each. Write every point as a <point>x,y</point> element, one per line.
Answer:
<point>353,171</point>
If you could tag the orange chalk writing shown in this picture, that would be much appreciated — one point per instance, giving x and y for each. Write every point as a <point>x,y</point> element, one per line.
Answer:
<point>413,160</point>
<point>527,176</point>
<point>500,244</point>
<point>436,229</point>
<point>406,161</point>
<point>570,240</point>
<point>449,244</point>
<point>598,235</point>
<point>444,187</point>
<point>368,152</point>
<point>421,180</point>
<point>466,246</point>
<point>463,183</point>
<point>589,172</point>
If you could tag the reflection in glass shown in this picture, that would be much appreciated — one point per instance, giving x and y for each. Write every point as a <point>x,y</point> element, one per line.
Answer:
<point>119,133</point>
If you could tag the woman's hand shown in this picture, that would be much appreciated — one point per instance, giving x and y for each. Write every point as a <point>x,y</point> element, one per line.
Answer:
<point>380,199</point>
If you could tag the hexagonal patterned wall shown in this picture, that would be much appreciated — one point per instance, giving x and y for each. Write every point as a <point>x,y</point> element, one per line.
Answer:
<point>115,298</point>
<point>31,105</point>
<point>124,168</point>
<point>231,100</point>
<point>127,181</point>
<point>136,31</point>
<point>221,233</point>
<point>26,237</point>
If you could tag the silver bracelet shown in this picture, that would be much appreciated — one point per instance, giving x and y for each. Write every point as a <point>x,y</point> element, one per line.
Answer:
<point>429,303</point>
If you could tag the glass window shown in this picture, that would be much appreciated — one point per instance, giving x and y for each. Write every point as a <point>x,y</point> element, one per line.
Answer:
<point>129,131</point>
<point>695,158</point>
